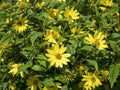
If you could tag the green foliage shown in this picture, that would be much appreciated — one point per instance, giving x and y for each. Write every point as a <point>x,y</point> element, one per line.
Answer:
<point>29,30</point>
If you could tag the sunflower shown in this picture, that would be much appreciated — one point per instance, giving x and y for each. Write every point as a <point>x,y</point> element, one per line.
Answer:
<point>15,68</point>
<point>57,56</point>
<point>105,3</point>
<point>71,14</point>
<point>33,83</point>
<point>51,36</point>
<point>20,25</point>
<point>97,39</point>
<point>91,81</point>
<point>39,5</point>
<point>53,13</point>
<point>76,31</point>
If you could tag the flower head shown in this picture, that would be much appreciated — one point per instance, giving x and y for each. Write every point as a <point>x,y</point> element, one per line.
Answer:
<point>106,3</point>
<point>76,31</point>
<point>33,83</point>
<point>71,14</point>
<point>91,81</point>
<point>21,25</point>
<point>57,56</point>
<point>97,39</point>
<point>15,68</point>
<point>52,36</point>
<point>39,5</point>
<point>52,13</point>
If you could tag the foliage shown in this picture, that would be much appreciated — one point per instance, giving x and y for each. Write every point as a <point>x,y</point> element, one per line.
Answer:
<point>59,44</point>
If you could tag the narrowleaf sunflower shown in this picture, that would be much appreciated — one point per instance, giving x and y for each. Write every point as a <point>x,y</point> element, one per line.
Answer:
<point>91,81</point>
<point>21,25</point>
<point>57,56</point>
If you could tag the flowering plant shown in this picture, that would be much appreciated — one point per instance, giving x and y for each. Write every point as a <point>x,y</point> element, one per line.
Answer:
<point>59,44</point>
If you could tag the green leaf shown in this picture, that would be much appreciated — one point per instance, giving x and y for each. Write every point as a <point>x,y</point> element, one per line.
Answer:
<point>41,57</point>
<point>36,68</point>
<point>115,35</point>
<point>70,49</point>
<point>64,87</point>
<point>34,35</point>
<point>5,38</point>
<point>93,63</point>
<point>4,86</point>
<point>87,48</point>
<point>48,82</point>
<point>42,62</point>
<point>114,72</point>
<point>60,78</point>
<point>25,53</point>
<point>114,46</point>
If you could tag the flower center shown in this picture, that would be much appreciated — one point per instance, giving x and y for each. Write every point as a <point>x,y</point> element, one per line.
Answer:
<point>54,34</point>
<point>97,43</point>
<point>35,82</point>
<point>58,56</point>
<point>93,79</point>
<point>70,17</point>
<point>76,33</point>
<point>19,23</point>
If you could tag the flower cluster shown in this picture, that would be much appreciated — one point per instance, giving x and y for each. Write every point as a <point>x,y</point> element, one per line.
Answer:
<point>59,45</point>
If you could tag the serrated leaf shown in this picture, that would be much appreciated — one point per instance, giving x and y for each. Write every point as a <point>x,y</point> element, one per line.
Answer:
<point>114,72</point>
<point>36,68</point>
<point>93,63</point>
<point>48,82</point>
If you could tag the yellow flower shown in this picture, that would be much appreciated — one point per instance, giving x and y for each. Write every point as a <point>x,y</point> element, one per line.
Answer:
<point>23,1</point>
<point>33,83</point>
<point>50,88</point>
<point>106,3</point>
<point>91,81</point>
<point>39,5</point>
<point>20,25</point>
<point>12,87</point>
<point>97,40</point>
<point>52,13</point>
<point>1,59</point>
<point>76,31</point>
<point>57,56</point>
<point>15,68</point>
<point>62,0</point>
<point>52,36</point>
<point>71,14</point>
<point>2,5</point>
<point>81,68</point>
<point>105,73</point>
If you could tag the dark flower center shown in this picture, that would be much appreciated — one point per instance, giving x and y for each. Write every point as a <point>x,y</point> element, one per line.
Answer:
<point>35,82</point>
<point>19,23</point>
<point>97,43</point>
<point>58,56</point>
<point>93,79</point>
<point>54,34</point>
<point>76,33</point>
